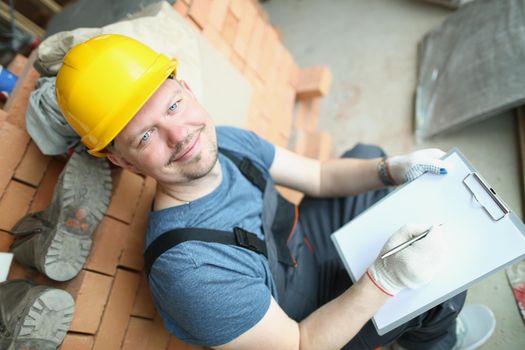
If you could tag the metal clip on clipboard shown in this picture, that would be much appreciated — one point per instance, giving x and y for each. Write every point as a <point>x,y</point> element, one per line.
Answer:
<point>485,196</point>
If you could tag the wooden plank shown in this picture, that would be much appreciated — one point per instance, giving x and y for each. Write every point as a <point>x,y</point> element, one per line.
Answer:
<point>52,5</point>
<point>21,21</point>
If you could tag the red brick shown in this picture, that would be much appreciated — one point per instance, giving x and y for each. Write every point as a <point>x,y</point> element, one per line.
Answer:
<point>118,309</point>
<point>14,204</point>
<point>44,193</point>
<point>237,61</point>
<point>238,8</point>
<point>273,76</point>
<point>138,334</point>
<point>91,291</point>
<point>217,41</point>
<point>143,305</point>
<point>193,24</point>
<point>181,7</point>
<point>176,344</point>
<point>159,336</point>
<point>314,82</point>
<point>244,30</point>
<point>33,165</point>
<point>108,244</point>
<point>17,102</point>
<point>309,113</point>
<point>145,335</point>
<point>314,144</point>
<point>17,65</point>
<point>199,12</point>
<point>218,11</point>
<point>77,342</point>
<point>5,241</point>
<point>132,255</point>
<point>3,117</point>
<point>269,57</point>
<point>127,187</point>
<point>254,79</point>
<point>229,29</point>
<point>253,55</point>
<point>13,142</point>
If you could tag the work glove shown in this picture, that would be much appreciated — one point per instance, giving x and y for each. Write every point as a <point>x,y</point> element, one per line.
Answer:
<point>400,169</point>
<point>411,267</point>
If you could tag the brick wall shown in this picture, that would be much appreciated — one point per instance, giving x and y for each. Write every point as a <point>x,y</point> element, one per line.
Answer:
<point>113,305</point>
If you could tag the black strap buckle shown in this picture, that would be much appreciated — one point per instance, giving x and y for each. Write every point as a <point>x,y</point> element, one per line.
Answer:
<point>245,239</point>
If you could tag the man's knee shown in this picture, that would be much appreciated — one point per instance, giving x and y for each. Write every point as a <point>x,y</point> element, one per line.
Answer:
<point>364,151</point>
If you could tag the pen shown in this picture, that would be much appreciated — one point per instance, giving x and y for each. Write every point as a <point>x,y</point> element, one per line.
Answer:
<point>407,243</point>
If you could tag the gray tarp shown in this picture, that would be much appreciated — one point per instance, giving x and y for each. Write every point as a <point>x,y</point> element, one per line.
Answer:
<point>472,66</point>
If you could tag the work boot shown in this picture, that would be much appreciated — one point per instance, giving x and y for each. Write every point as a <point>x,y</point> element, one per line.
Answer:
<point>57,241</point>
<point>33,317</point>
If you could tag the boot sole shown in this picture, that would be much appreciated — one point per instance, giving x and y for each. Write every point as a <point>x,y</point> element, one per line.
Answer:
<point>45,320</point>
<point>80,205</point>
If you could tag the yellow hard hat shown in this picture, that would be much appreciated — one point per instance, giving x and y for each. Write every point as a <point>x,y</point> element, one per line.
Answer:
<point>104,82</point>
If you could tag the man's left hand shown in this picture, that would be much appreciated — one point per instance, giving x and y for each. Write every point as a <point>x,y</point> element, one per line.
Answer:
<point>405,168</point>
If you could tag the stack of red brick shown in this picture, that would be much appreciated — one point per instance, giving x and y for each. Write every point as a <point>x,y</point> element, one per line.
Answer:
<point>113,306</point>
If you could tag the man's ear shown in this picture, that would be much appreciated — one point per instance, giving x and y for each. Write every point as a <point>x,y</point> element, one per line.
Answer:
<point>120,161</point>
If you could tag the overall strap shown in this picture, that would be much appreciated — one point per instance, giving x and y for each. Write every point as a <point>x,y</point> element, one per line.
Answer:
<point>240,237</point>
<point>250,171</point>
<point>170,239</point>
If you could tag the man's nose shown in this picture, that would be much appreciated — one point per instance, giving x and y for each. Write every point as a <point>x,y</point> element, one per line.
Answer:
<point>175,133</point>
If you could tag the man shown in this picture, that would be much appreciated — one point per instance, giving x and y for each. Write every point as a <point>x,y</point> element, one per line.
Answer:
<point>248,272</point>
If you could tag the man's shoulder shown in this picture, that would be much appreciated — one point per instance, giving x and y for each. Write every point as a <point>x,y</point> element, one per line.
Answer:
<point>246,143</point>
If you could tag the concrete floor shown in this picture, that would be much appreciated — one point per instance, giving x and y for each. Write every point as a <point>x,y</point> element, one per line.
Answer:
<point>370,46</point>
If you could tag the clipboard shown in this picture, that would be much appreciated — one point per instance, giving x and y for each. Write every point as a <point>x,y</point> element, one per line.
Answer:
<point>484,235</point>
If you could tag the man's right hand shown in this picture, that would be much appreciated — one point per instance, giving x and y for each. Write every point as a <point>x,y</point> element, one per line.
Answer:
<point>411,267</point>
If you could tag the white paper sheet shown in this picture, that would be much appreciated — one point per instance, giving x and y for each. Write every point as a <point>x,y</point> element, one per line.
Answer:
<point>478,245</point>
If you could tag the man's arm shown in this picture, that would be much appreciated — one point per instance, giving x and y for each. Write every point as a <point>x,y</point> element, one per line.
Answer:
<point>330,327</point>
<point>333,178</point>
<point>350,176</point>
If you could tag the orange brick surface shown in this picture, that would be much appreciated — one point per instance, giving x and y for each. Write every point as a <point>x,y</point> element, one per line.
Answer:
<point>118,309</point>
<point>44,193</point>
<point>127,187</point>
<point>17,65</point>
<point>77,342</point>
<point>181,7</point>
<point>132,255</point>
<point>217,14</point>
<point>108,244</point>
<point>143,304</point>
<point>13,143</point>
<point>33,165</point>
<point>3,117</point>
<point>17,102</point>
<point>91,291</point>
<point>199,11</point>
<point>14,204</point>
<point>314,82</point>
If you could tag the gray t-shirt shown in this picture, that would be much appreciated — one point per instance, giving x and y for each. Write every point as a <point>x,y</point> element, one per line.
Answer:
<point>210,293</point>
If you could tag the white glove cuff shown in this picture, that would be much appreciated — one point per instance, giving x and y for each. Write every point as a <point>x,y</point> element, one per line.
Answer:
<point>381,279</point>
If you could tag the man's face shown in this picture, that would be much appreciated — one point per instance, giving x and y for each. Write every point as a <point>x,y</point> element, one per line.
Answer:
<point>171,138</point>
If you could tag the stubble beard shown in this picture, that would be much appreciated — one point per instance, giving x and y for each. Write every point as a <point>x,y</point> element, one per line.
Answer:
<point>194,170</point>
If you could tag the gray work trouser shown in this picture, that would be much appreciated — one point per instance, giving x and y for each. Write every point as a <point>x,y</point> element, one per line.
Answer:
<point>320,275</point>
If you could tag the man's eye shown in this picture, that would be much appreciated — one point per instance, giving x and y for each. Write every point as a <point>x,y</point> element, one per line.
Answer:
<point>173,107</point>
<point>146,136</point>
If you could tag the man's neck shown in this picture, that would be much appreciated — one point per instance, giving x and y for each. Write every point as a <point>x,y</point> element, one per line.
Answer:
<point>171,195</point>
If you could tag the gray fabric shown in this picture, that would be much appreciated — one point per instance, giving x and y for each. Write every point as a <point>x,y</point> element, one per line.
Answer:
<point>44,121</point>
<point>471,67</point>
